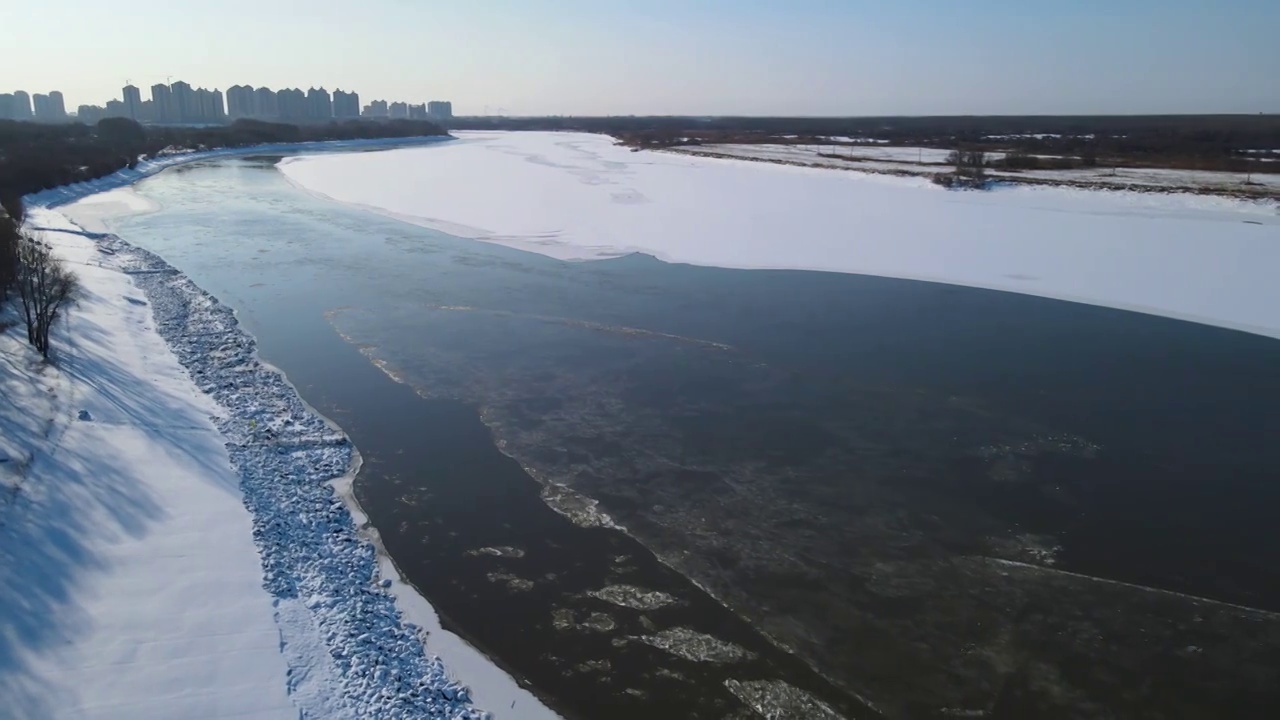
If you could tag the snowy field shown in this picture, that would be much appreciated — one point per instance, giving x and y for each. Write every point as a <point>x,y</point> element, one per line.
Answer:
<point>581,197</point>
<point>1157,177</point>
<point>922,161</point>
<point>177,528</point>
<point>813,154</point>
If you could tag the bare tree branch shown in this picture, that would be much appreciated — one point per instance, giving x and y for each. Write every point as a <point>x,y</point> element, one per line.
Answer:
<point>45,288</point>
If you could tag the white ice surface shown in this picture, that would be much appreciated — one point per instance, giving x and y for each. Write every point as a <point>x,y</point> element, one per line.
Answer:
<point>131,587</point>
<point>579,197</point>
<point>112,203</point>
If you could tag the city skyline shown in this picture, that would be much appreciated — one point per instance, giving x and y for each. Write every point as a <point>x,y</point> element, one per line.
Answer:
<point>179,102</point>
<point>711,57</point>
<point>38,107</point>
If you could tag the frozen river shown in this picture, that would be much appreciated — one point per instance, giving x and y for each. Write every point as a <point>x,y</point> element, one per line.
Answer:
<point>939,497</point>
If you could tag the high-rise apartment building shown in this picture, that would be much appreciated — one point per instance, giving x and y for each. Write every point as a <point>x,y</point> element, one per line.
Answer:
<point>58,104</point>
<point>418,112</point>
<point>8,106</point>
<point>21,106</point>
<point>177,103</point>
<point>265,103</point>
<point>203,111</point>
<point>49,108</point>
<point>132,98</point>
<point>209,107</point>
<point>185,105</point>
<point>292,104</point>
<point>398,111</point>
<point>346,105</point>
<point>375,109</point>
<point>440,109</point>
<point>319,105</point>
<point>162,107</point>
<point>241,102</point>
<point>90,114</point>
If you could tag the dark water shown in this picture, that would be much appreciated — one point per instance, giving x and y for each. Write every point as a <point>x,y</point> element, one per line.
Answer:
<point>925,491</point>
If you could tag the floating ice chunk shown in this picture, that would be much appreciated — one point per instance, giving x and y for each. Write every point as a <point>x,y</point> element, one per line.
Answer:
<point>777,700</point>
<point>514,582</point>
<point>600,622</point>
<point>633,597</point>
<point>580,509</point>
<point>503,551</point>
<point>563,619</point>
<point>696,646</point>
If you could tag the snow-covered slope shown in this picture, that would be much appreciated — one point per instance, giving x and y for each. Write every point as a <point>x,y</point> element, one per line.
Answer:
<point>575,196</point>
<point>131,585</point>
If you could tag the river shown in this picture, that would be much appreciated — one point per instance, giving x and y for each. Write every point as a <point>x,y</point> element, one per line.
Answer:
<point>934,498</point>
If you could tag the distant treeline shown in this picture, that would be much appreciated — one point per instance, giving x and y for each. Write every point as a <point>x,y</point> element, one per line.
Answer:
<point>36,157</point>
<point>1149,138</point>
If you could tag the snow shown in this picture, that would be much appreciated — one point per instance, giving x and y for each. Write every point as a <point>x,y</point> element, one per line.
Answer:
<point>580,197</point>
<point>849,139</point>
<point>90,211</point>
<point>132,585</point>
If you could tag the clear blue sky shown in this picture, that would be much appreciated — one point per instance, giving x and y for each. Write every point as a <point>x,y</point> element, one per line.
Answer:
<point>807,57</point>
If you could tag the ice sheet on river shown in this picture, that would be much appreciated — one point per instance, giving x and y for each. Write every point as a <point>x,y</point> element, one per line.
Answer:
<point>576,196</point>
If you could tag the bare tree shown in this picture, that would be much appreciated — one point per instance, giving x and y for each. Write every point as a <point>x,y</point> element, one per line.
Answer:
<point>45,287</point>
<point>970,171</point>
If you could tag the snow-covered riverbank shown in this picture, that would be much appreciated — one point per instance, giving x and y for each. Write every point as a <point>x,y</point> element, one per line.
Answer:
<point>131,584</point>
